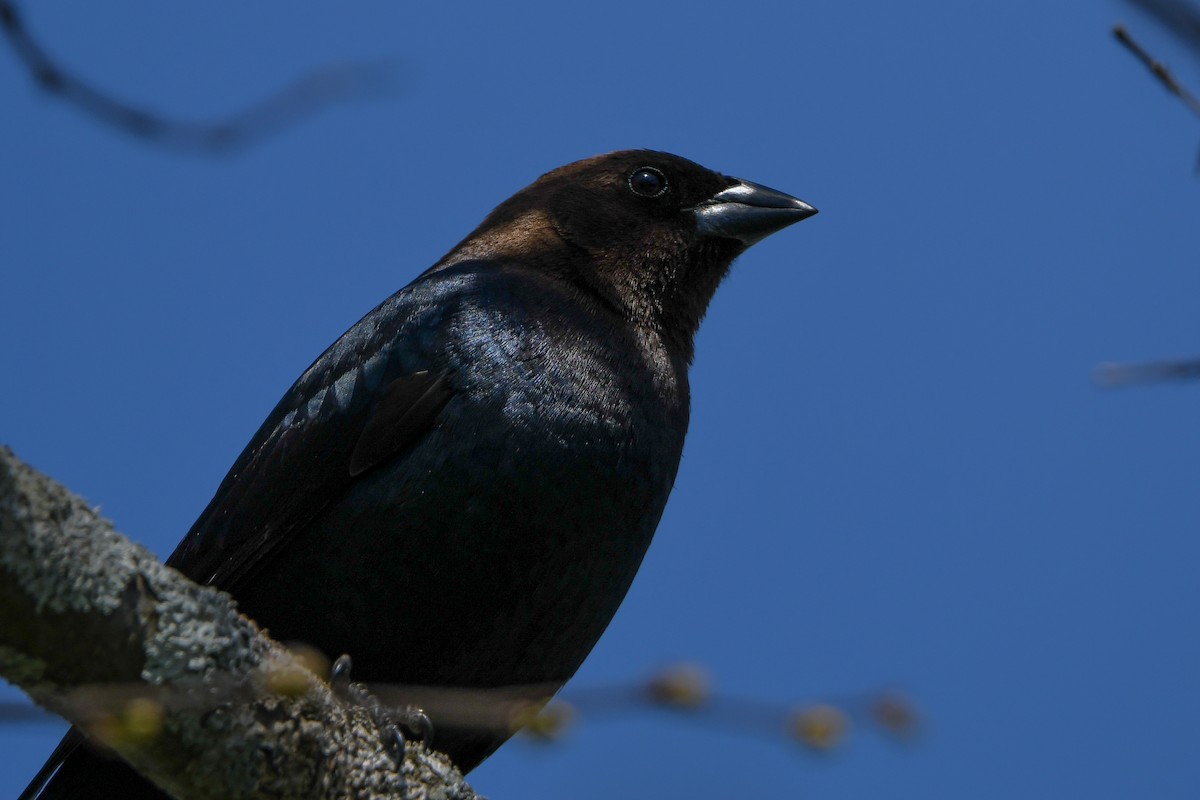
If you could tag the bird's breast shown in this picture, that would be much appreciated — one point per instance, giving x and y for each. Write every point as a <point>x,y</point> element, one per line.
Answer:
<point>514,527</point>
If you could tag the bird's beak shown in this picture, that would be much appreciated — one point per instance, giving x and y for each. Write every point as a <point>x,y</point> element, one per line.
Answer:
<point>748,212</point>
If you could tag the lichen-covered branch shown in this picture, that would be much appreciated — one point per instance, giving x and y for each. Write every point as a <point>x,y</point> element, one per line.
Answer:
<point>166,672</point>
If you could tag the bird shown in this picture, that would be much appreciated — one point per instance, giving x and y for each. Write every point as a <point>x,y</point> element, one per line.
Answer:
<point>458,492</point>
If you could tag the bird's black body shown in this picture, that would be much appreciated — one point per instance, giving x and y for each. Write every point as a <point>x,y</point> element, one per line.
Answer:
<point>459,491</point>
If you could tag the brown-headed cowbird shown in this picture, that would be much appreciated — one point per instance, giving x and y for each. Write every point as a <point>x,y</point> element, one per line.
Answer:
<point>459,491</point>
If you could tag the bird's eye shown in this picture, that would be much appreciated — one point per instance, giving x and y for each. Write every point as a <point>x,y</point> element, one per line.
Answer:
<point>648,182</point>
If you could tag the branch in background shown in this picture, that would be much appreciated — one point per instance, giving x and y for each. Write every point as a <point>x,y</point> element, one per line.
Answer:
<point>282,110</point>
<point>1179,17</point>
<point>821,727</point>
<point>1112,375</point>
<point>1159,71</point>
<point>166,672</point>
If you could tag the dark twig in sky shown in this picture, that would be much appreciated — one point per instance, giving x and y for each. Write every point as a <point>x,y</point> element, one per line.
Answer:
<point>1160,71</point>
<point>1179,17</point>
<point>1147,372</point>
<point>281,110</point>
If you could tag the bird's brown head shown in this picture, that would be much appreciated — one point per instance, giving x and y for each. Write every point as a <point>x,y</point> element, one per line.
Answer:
<point>651,234</point>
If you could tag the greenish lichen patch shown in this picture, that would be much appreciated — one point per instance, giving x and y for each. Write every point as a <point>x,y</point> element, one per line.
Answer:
<point>20,669</point>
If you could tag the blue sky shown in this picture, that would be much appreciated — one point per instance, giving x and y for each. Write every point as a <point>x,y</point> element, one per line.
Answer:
<point>899,470</point>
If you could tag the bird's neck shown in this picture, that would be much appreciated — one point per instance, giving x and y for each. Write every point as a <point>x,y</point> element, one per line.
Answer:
<point>530,238</point>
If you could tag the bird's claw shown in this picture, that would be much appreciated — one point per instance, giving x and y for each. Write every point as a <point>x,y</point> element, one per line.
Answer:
<point>339,673</point>
<point>393,740</point>
<point>393,722</point>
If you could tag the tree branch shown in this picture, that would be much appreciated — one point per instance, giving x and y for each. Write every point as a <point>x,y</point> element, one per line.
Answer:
<point>1147,372</point>
<point>1157,69</point>
<point>166,672</point>
<point>281,110</point>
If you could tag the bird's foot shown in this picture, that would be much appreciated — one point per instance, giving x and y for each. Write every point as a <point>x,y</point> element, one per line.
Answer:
<point>394,722</point>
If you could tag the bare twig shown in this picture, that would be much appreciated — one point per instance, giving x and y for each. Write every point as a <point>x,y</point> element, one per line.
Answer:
<point>1159,71</point>
<point>1178,17</point>
<point>820,726</point>
<point>281,110</point>
<point>1112,375</point>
